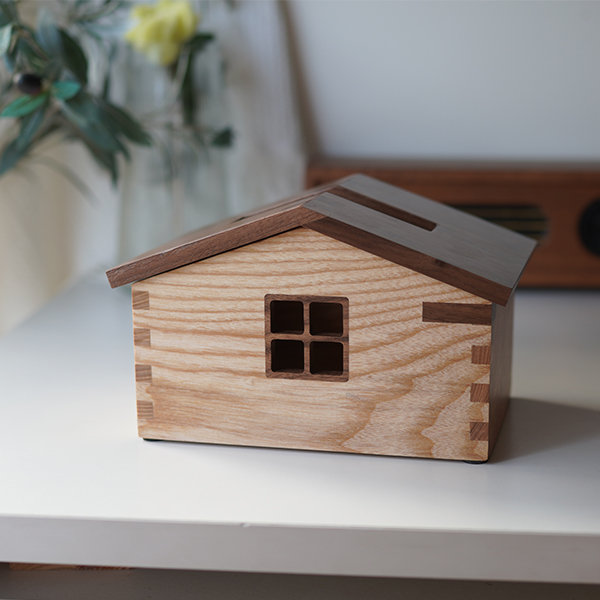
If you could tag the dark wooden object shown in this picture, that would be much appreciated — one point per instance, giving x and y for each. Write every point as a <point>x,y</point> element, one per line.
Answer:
<point>443,312</point>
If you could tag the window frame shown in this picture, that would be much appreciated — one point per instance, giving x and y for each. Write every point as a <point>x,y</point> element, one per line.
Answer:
<point>307,338</point>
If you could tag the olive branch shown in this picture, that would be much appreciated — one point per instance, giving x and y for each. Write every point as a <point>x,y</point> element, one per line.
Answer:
<point>48,92</point>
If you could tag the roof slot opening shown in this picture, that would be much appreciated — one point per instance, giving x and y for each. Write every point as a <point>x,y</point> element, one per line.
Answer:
<point>386,209</point>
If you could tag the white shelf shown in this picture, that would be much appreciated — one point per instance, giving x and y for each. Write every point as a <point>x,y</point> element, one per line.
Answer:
<point>78,486</point>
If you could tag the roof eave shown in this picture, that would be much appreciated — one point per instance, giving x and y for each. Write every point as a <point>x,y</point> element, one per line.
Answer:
<point>406,257</point>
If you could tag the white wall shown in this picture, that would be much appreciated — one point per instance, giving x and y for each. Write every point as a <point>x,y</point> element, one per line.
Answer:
<point>450,79</point>
<point>50,233</point>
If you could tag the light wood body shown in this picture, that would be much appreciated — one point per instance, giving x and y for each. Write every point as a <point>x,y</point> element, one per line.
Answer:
<point>200,356</point>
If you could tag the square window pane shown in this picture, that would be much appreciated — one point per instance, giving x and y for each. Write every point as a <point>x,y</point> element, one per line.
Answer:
<point>326,318</point>
<point>287,356</point>
<point>326,358</point>
<point>287,316</point>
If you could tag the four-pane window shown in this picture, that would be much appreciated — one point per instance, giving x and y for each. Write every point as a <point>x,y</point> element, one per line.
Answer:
<point>306,337</point>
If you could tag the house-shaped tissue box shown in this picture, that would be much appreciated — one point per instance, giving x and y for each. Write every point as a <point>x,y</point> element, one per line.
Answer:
<point>357,317</point>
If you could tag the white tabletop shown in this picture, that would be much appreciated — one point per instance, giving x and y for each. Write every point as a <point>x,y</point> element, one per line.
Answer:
<point>78,486</point>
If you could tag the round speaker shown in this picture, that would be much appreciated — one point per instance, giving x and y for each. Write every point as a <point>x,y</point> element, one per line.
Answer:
<point>589,227</point>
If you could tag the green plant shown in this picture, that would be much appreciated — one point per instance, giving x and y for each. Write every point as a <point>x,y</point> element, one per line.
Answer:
<point>47,88</point>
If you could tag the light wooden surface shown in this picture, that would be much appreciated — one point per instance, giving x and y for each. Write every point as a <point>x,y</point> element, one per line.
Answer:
<point>200,356</point>
<point>79,486</point>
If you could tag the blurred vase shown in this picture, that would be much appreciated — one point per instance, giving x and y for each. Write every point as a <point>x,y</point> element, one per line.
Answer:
<point>178,184</point>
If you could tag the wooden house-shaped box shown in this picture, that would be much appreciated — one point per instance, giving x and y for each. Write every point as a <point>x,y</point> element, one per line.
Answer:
<point>356,317</point>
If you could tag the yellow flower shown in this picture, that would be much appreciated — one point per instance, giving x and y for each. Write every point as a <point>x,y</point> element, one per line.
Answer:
<point>162,28</point>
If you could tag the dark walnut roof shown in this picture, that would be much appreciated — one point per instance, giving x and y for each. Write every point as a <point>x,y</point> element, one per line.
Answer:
<point>425,236</point>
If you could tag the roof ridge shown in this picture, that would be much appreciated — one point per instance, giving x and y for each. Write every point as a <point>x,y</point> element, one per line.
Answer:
<point>426,236</point>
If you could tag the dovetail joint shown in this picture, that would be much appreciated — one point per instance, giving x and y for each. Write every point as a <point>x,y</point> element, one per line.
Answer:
<point>145,409</point>
<point>450,312</point>
<point>141,336</point>
<point>481,355</point>
<point>140,300</point>
<point>480,392</point>
<point>479,431</point>
<point>143,373</point>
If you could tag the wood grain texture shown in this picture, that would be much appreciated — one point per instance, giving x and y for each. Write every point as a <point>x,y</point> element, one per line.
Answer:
<point>387,209</point>
<point>501,367</point>
<point>143,373</point>
<point>480,431</point>
<point>476,255</point>
<point>388,247</point>
<point>481,355</point>
<point>141,336</point>
<point>145,410</point>
<point>140,300</point>
<point>409,386</point>
<point>560,191</point>
<point>448,312</point>
<point>480,392</point>
<point>214,239</point>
